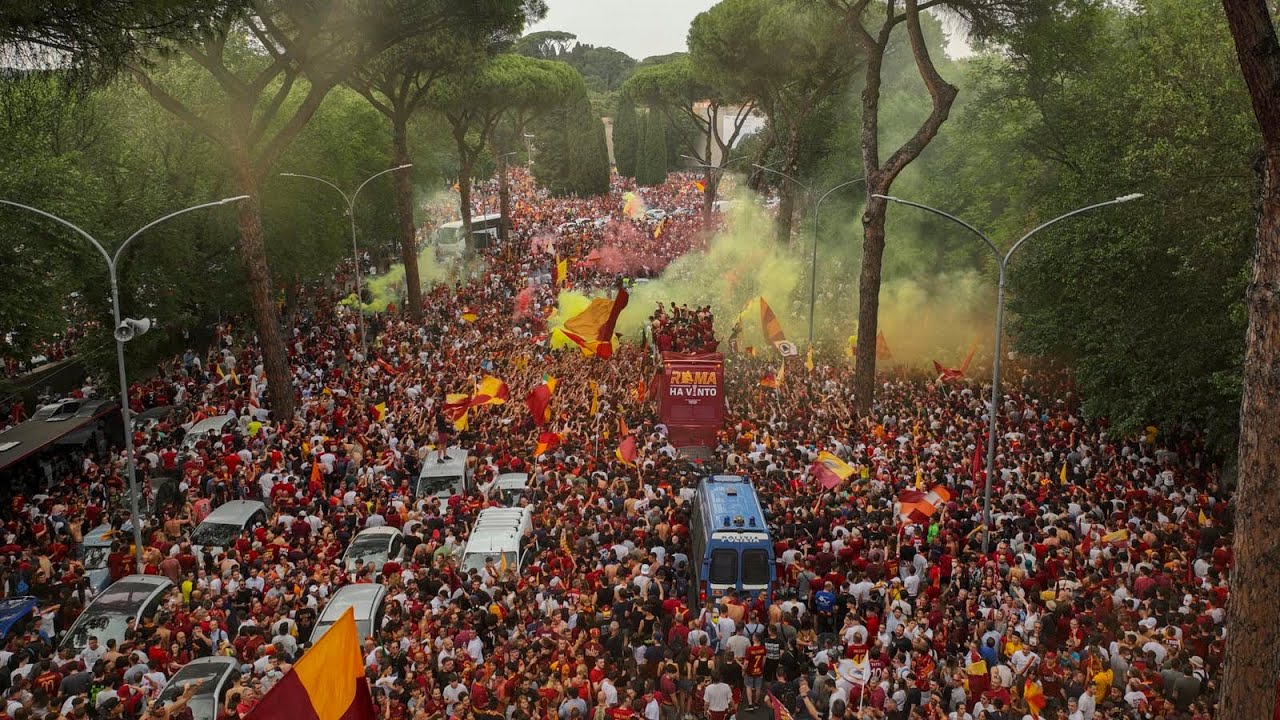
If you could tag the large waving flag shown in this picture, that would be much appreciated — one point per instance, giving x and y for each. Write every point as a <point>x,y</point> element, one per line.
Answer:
<point>770,325</point>
<point>539,401</point>
<point>830,470</point>
<point>627,450</point>
<point>946,374</point>
<point>328,683</point>
<point>490,391</point>
<point>1034,695</point>
<point>918,506</point>
<point>592,329</point>
<point>547,441</point>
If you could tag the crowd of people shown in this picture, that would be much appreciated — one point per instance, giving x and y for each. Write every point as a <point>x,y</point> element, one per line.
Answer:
<point>1103,587</point>
<point>683,330</point>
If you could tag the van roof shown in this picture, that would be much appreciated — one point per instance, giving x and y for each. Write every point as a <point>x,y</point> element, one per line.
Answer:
<point>512,481</point>
<point>492,543</point>
<point>455,465</point>
<point>233,512</point>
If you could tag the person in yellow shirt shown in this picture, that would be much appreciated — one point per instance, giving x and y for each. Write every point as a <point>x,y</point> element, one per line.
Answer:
<point>1102,684</point>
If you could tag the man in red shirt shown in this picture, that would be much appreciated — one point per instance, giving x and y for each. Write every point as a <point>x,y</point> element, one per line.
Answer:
<point>753,670</point>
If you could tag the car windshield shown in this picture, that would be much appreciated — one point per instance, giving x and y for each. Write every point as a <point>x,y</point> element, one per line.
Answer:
<point>203,701</point>
<point>367,547</point>
<point>102,625</point>
<point>95,558</point>
<point>440,485</point>
<point>475,561</point>
<point>215,534</point>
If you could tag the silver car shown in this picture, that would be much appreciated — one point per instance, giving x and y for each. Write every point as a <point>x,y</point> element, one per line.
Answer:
<point>107,618</point>
<point>216,674</point>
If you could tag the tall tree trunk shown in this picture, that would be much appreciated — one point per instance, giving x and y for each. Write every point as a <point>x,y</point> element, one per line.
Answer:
<point>403,180</point>
<point>464,195</point>
<point>709,180</point>
<point>504,200</point>
<point>879,178</point>
<point>253,254</point>
<point>864,378</point>
<point>787,194</point>
<point>1253,615</point>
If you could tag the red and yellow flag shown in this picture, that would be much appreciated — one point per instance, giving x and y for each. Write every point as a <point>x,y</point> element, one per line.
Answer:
<point>328,683</point>
<point>592,329</point>
<point>830,470</point>
<point>770,325</point>
<point>547,441</point>
<point>1034,695</point>
<point>627,451</point>
<point>595,397</point>
<point>379,411</point>
<point>562,271</point>
<point>539,401</point>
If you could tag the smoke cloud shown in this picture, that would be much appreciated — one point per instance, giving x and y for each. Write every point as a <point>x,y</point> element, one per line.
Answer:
<point>925,314</point>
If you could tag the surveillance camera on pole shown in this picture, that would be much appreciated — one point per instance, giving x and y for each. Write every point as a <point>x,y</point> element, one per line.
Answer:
<point>129,328</point>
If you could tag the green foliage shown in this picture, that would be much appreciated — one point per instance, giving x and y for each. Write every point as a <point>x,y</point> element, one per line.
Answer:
<point>573,159</point>
<point>1144,299</point>
<point>651,158</point>
<point>603,68</point>
<point>626,137</point>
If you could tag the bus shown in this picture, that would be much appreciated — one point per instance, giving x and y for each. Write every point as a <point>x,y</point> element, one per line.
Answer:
<point>450,240</point>
<point>732,549</point>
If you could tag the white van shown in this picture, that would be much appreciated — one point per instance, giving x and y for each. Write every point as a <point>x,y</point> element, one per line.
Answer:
<point>445,479</point>
<point>503,547</point>
<point>222,527</point>
<point>518,520</point>
<point>508,488</point>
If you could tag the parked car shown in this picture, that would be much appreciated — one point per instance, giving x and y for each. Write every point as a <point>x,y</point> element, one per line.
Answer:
<point>365,598</point>
<point>107,617</point>
<point>217,675</point>
<point>221,527</point>
<point>374,546</point>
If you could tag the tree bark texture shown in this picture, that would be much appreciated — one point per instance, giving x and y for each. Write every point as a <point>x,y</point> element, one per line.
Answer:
<point>1253,613</point>
<point>253,254</point>
<point>787,189</point>
<point>403,186</point>
<point>880,177</point>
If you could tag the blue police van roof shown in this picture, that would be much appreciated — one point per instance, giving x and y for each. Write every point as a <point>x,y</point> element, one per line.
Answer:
<point>730,503</point>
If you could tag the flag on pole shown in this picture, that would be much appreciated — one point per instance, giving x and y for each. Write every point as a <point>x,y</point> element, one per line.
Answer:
<point>779,712</point>
<point>830,470</point>
<point>627,451</point>
<point>1062,474</point>
<point>595,397</point>
<point>882,347</point>
<point>770,325</point>
<point>808,360</point>
<point>539,400</point>
<point>547,441</point>
<point>1034,695</point>
<point>1202,518</point>
<point>592,329</point>
<point>327,683</point>
<point>918,506</point>
<point>455,409</point>
<point>491,391</point>
<point>379,411</point>
<point>561,271</point>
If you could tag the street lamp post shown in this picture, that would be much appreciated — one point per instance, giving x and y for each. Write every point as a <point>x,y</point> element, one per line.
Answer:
<point>1002,261</point>
<point>355,249</point>
<point>124,331</point>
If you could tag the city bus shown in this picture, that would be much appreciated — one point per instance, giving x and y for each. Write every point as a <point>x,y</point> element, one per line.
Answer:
<point>451,241</point>
<point>732,549</point>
